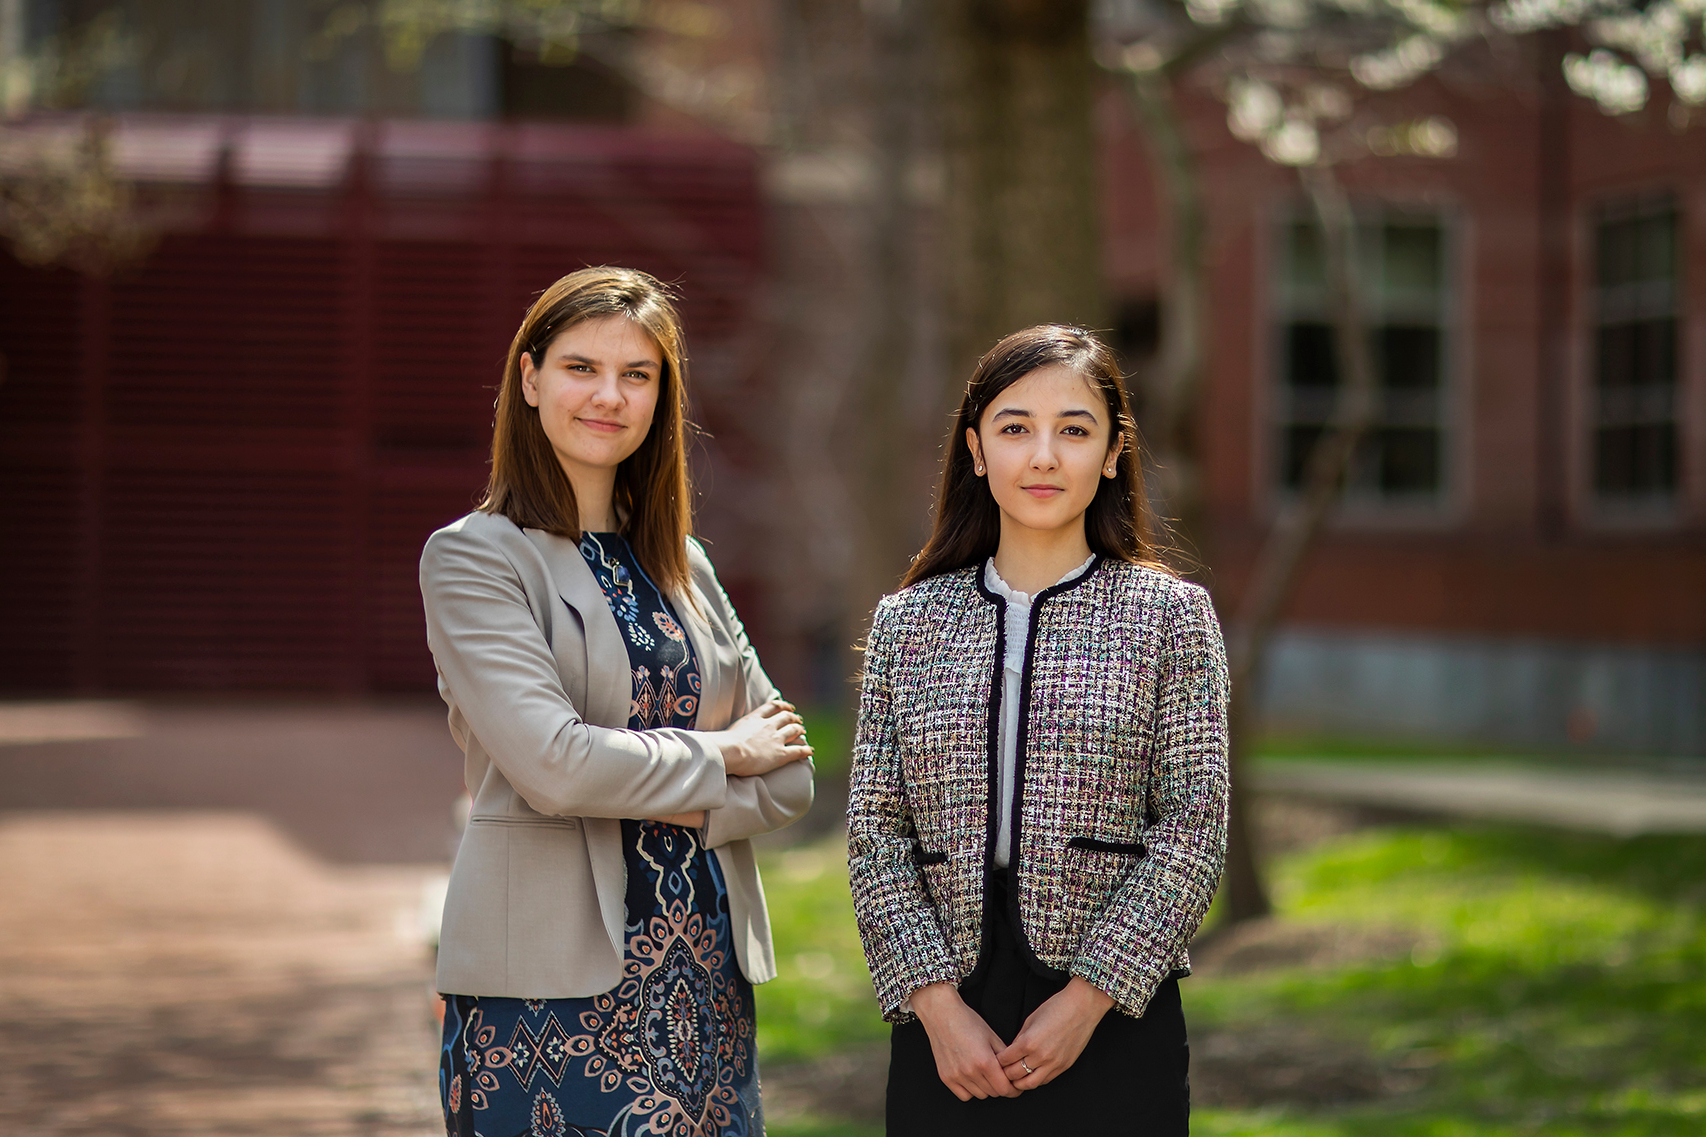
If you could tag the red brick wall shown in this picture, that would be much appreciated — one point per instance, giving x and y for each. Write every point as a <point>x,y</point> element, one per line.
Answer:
<point>1489,561</point>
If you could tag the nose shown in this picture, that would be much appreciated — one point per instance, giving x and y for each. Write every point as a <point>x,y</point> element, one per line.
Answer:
<point>1043,457</point>
<point>609,391</point>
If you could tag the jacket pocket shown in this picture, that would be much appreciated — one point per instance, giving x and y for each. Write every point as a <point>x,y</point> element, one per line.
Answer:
<point>529,822</point>
<point>1091,844</point>
<point>922,857</point>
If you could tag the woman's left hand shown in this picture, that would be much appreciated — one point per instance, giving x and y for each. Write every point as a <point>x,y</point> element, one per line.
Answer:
<point>1055,1035</point>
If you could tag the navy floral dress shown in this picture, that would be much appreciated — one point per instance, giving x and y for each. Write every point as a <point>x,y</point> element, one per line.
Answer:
<point>670,1049</point>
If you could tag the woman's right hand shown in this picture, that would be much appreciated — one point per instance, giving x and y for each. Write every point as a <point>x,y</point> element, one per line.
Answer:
<point>964,1045</point>
<point>758,743</point>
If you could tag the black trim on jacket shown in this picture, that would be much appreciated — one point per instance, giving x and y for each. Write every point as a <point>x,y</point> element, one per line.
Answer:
<point>1022,938</point>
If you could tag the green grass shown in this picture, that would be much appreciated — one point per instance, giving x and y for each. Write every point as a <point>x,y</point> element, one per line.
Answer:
<point>821,999</point>
<point>818,1128</point>
<point>1284,746</point>
<point>1281,747</point>
<point>1558,989</point>
<point>831,736</point>
<point>1559,986</point>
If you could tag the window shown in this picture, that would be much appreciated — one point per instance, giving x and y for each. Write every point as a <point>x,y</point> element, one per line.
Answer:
<point>1635,340</point>
<point>1403,277</point>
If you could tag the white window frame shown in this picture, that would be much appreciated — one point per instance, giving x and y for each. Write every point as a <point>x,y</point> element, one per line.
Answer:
<point>1596,508</point>
<point>1366,508</point>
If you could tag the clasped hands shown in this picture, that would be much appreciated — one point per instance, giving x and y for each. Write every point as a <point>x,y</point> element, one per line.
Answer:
<point>767,738</point>
<point>973,1062</point>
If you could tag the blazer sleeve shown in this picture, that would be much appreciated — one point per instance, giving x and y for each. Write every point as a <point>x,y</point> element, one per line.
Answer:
<point>765,802</point>
<point>494,659</point>
<point>897,920</point>
<point>1146,927</point>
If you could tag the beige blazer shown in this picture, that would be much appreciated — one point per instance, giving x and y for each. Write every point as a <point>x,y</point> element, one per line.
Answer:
<point>536,675</point>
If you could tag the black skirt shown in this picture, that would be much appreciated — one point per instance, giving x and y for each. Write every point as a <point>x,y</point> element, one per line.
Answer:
<point>1132,1079</point>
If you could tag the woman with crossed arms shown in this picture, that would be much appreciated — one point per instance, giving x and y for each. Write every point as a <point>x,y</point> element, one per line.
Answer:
<point>1037,818</point>
<point>605,921</point>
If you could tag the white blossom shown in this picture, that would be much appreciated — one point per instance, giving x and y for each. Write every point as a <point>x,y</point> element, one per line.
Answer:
<point>1295,143</point>
<point>1519,17</point>
<point>1210,12</point>
<point>1688,80</point>
<point>1401,64</point>
<point>1618,87</point>
<point>1254,110</point>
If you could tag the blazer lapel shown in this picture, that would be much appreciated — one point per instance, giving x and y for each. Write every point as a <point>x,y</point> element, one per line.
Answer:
<point>609,698</point>
<point>609,678</point>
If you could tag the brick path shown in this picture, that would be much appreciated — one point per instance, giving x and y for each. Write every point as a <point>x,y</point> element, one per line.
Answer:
<point>198,973</point>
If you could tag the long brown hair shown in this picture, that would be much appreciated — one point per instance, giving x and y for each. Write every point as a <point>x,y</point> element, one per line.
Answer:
<point>652,497</point>
<point>1120,523</point>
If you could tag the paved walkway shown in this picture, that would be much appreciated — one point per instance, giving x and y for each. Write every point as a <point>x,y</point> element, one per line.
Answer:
<point>1624,803</point>
<point>353,783</point>
<point>199,975</point>
<point>210,917</point>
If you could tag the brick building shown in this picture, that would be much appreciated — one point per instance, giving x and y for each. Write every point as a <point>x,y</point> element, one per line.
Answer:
<point>1521,556</point>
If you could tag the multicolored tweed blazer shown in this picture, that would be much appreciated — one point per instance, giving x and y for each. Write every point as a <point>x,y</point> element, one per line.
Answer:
<point>1119,826</point>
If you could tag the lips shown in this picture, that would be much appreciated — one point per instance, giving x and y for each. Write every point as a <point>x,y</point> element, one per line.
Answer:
<point>601,425</point>
<point>1043,491</point>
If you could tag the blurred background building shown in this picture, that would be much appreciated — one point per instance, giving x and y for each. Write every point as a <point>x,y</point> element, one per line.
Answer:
<point>256,368</point>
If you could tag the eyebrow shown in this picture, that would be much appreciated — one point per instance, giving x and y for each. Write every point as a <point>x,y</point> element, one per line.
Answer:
<point>1016,412</point>
<point>629,366</point>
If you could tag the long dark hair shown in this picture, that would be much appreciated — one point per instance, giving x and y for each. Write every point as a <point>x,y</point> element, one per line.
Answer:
<point>1119,524</point>
<point>528,484</point>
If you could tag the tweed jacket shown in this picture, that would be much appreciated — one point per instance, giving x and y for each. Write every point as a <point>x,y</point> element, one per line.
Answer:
<point>537,678</point>
<point>1119,809</point>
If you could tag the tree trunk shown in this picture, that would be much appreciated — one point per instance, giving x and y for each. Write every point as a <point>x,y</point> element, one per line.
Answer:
<point>1275,572</point>
<point>1172,399</point>
<point>1172,391</point>
<point>891,505</point>
<point>1022,211</point>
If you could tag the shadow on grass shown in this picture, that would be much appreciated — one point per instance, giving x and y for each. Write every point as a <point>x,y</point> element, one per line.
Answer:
<point>1558,985</point>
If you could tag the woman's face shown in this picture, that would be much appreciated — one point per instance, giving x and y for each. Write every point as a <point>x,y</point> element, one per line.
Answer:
<point>1043,444</point>
<point>596,390</point>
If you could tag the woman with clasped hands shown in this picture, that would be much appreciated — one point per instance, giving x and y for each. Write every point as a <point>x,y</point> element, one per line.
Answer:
<point>605,920</point>
<point>1038,809</point>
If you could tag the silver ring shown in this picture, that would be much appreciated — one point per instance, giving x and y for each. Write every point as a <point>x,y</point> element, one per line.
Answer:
<point>1027,1066</point>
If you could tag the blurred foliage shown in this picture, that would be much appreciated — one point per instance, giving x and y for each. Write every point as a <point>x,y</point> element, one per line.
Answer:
<point>1310,746</point>
<point>821,1000</point>
<point>821,1129</point>
<point>61,202</point>
<point>831,734</point>
<point>553,27</point>
<point>1558,985</point>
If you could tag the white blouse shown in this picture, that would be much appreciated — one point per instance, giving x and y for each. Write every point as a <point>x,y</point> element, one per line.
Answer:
<point>1018,631</point>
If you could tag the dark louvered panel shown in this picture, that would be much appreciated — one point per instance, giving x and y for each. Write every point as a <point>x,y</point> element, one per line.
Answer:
<point>43,498</point>
<point>40,350</point>
<point>43,540</point>
<point>437,356</point>
<point>407,506</point>
<point>713,302</point>
<point>231,332</point>
<point>221,580</point>
<point>218,469</point>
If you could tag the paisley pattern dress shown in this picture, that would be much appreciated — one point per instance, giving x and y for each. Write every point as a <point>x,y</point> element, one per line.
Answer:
<point>670,1050</point>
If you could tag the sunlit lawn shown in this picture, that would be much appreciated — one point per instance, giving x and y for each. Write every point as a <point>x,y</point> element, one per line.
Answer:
<point>1560,988</point>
